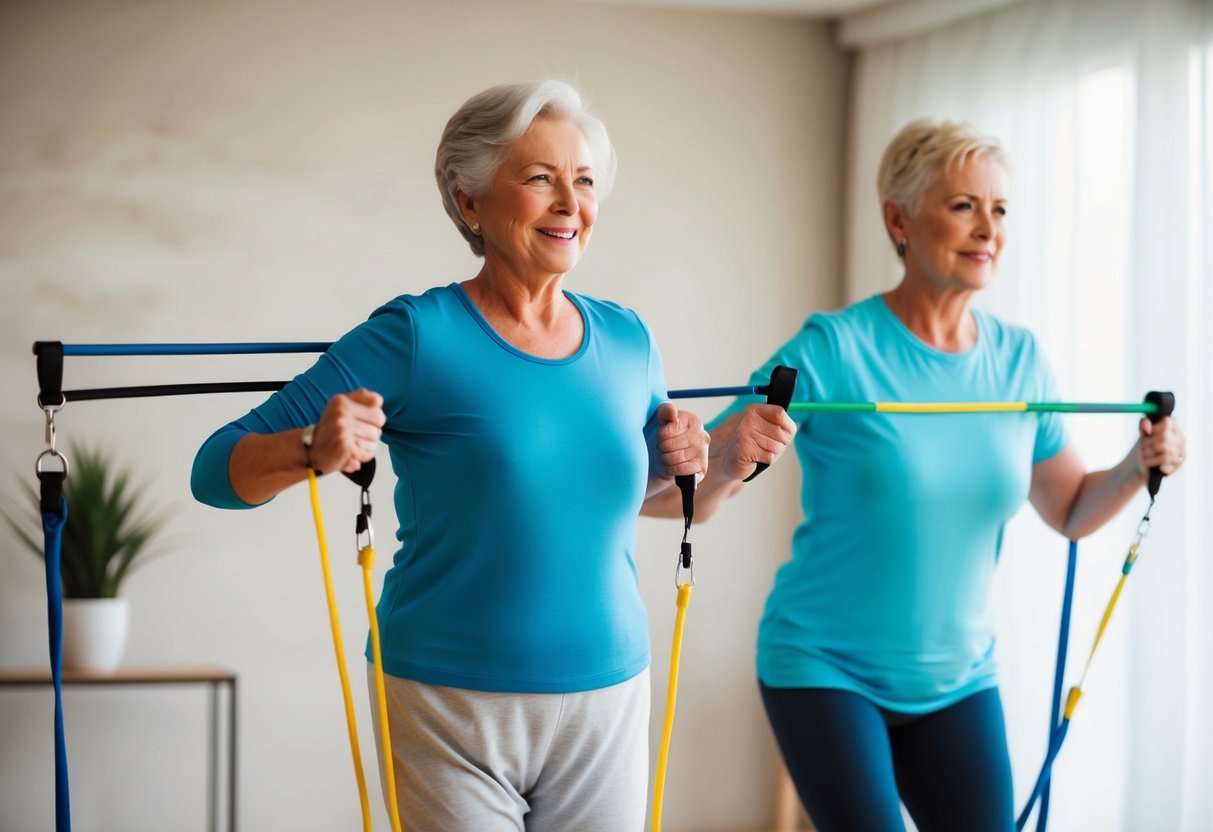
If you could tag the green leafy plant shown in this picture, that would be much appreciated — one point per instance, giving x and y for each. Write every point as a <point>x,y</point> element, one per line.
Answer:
<point>108,531</point>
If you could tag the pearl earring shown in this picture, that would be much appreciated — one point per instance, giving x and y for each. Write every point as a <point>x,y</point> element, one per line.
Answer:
<point>475,228</point>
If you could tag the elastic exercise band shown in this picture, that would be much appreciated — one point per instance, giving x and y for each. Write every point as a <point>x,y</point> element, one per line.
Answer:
<point>252,348</point>
<point>53,507</point>
<point>366,560</point>
<point>52,527</point>
<point>1163,405</point>
<point>1058,734</point>
<point>1059,671</point>
<point>712,392</point>
<point>148,391</point>
<point>335,625</point>
<point>671,701</point>
<point>972,407</point>
<point>778,392</point>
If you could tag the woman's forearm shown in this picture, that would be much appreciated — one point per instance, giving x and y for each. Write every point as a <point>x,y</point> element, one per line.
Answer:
<point>262,465</point>
<point>1102,495</point>
<point>729,463</point>
<point>711,493</point>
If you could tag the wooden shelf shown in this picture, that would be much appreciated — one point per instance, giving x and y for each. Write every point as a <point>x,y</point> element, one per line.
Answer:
<point>121,675</point>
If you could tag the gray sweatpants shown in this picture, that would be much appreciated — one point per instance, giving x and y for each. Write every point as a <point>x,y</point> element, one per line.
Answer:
<point>475,761</point>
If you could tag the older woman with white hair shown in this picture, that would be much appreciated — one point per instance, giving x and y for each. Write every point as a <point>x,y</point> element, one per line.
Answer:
<point>876,648</point>
<point>526,425</point>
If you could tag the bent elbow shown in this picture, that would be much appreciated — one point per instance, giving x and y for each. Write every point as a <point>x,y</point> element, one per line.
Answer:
<point>210,483</point>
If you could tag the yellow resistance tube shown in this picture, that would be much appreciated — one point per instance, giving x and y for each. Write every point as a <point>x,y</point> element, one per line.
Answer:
<point>950,407</point>
<point>671,699</point>
<point>366,559</point>
<point>335,623</point>
<point>1076,691</point>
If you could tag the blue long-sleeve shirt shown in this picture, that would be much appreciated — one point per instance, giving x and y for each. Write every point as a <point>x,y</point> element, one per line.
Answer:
<point>519,481</point>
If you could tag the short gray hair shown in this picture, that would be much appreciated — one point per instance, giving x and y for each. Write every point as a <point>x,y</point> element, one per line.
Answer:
<point>478,138</point>
<point>924,148</point>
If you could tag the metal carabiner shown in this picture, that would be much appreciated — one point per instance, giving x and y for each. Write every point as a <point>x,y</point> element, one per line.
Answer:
<point>1143,527</point>
<point>685,562</point>
<point>51,437</point>
<point>678,582</point>
<point>50,411</point>
<point>362,524</point>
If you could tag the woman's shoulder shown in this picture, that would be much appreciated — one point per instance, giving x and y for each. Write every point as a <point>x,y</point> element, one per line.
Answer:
<point>399,319</point>
<point>860,313</point>
<point>607,312</point>
<point>1003,335</point>
<point>410,303</point>
<point>862,318</point>
<point>407,309</point>
<point>594,302</point>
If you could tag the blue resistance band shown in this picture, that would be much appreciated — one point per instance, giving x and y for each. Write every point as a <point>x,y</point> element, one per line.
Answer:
<point>1056,738</point>
<point>713,392</point>
<point>1063,643</point>
<point>52,528</point>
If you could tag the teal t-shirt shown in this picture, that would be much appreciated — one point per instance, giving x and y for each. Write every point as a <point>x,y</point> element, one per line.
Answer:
<point>519,483</point>
<point>886,592</point>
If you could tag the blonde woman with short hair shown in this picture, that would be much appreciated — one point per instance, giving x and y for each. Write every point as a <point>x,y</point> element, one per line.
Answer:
<point>876,648</point>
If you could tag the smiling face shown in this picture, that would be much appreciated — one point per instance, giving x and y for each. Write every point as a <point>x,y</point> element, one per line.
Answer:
<point>537,215</point>
<point>955,239</point>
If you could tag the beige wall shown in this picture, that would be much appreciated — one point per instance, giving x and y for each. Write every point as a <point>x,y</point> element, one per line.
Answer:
<point>203,171</point>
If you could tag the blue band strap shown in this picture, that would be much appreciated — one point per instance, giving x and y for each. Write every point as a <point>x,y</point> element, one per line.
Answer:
<point>1058,725</point>
<point>52,528</point>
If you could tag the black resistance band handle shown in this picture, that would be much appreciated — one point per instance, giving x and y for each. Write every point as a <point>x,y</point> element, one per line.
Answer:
<point>779,391</point>
<point>365,475</point>
<point>686,484</point>
<point>50,373</point>
<point>1165,401</point>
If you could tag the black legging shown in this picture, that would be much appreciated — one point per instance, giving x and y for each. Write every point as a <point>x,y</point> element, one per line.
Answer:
<point>852,761</point>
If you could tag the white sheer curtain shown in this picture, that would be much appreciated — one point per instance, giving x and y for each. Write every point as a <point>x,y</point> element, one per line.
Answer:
<point>1106,109</point>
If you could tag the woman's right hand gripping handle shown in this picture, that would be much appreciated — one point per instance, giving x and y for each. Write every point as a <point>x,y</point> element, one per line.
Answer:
<point>347,435</point>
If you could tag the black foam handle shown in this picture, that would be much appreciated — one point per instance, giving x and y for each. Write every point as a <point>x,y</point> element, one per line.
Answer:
<point>1165,401</point>
<point>365,475</point>
<point>686,484</point>
<point>779,391</point>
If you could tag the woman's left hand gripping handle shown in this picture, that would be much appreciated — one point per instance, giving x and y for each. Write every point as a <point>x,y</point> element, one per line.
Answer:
<point>347,434</point>
<point>682,443</point>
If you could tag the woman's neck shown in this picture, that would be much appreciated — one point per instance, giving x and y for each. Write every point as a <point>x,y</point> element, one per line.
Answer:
<point>941,320</point>
<point>536,302</point>
<point>533,316</point>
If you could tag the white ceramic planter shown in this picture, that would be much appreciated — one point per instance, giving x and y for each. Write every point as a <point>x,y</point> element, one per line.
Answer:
<point>94,632</point>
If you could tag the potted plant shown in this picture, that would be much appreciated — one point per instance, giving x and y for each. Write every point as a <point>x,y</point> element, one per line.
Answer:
<point>106,537</point>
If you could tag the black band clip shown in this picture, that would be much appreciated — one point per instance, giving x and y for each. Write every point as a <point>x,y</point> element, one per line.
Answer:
<point>51,400</point>
<point>364,535</point>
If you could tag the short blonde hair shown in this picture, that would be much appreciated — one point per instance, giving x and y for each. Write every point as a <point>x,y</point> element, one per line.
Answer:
<point>924,148</point>
<point>478,137</point>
